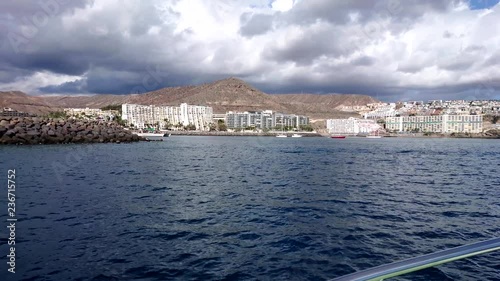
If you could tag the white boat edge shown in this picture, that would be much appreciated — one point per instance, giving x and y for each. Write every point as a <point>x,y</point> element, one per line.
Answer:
<point>151,136</point>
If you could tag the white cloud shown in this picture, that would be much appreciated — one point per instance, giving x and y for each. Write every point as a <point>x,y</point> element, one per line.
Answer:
<point>282,5</point>
<point>31,84</point>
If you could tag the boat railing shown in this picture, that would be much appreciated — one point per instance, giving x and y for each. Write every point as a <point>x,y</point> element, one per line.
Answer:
<point>418,263</point>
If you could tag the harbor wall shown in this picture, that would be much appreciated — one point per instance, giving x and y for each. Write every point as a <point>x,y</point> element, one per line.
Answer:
<point>35,130</point>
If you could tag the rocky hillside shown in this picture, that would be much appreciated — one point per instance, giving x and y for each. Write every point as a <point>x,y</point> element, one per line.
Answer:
<point>222,95</point>
<point>93,101</point>
<point>322,106</point>
<point>230,94</point>
<point>25,103</point>
<point>233,94</point>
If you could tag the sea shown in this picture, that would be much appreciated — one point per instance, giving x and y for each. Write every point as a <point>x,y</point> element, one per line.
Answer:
<point>249,208</point>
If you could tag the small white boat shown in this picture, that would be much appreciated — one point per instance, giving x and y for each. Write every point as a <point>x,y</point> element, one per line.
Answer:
<point>151,136</point>
<point>296,136</point>
<point>281,136</point>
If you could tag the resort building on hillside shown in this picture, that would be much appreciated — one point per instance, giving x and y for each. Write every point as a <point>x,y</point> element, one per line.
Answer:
<point>143,116</point>
<point>9,112</point>
<point>436,124</point>
<point>352,126</point>
<point>381,110</point>
<point>264,120</point>
<point>91,113</point>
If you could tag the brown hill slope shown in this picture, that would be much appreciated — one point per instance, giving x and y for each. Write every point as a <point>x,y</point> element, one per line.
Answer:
<point>322,106</point>
<point>223,95</point>
<point>233,94</point>
<point>94,101</point>
<point>25,103</point>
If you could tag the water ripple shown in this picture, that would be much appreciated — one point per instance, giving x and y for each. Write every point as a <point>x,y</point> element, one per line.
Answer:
<point>254,208</point>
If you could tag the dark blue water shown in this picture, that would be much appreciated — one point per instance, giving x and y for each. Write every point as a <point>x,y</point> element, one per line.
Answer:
<point>235,208</point>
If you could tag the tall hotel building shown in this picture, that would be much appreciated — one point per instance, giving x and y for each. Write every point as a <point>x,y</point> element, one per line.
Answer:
<point>143,115</point>
<point>437,124</point>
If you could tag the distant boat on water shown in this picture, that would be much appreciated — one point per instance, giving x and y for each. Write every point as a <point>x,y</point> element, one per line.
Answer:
<point>152,136</point>
<point>337,137</point>
<point>296,136</point>
<point>281,136</point>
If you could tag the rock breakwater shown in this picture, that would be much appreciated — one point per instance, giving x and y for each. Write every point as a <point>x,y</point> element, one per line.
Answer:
<point>35,130</point>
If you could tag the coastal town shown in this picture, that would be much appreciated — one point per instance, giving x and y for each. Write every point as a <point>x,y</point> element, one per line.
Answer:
<point>447,118</point>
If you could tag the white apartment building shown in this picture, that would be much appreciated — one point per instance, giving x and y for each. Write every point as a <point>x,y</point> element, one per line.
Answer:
<point>264,119</point>
<point>142,116</point>
<point>437,124</point>
<point>351,126</point>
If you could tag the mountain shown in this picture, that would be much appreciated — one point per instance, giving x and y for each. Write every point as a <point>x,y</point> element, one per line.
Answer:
<point>22,102</point>
<point>223,95</point>
<point>230,94</point>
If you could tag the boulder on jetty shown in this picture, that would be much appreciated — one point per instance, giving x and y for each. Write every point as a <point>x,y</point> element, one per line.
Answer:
<point>37,130</point>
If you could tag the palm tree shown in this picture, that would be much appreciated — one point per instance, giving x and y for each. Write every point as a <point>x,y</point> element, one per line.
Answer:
<point>167,123</point>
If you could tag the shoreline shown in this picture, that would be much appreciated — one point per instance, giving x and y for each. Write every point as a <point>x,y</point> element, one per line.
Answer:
<point>239,134</point>
<point>308,134</point>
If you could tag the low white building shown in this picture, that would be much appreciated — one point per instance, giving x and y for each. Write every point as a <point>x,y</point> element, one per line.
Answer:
<point>143,116</point>
<point>436,124</point>
<point>352,126</point>
<point>91,113</point>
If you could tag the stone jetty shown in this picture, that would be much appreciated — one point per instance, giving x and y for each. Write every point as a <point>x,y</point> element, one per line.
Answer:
<point>39,130</point>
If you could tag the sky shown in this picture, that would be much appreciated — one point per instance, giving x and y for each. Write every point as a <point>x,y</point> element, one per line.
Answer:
<point>393,50</point>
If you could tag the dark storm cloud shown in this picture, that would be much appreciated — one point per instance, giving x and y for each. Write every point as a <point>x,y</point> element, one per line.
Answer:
<point>338,12</point>
<point>412,67</point>
<point>78,86</point>
<point>29,9</point>
<point>312,44</point>
<point>318,46</point>
<point>493,60</point>
<point>82,48</point>
<point>54,62</point>
<point>256,24</point>
<point>459,63</point>
<point>364,61</point>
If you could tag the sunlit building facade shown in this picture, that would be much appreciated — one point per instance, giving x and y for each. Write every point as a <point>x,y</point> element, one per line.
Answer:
<point>143,116</point>
<point>264,120</point>
<point>351,126</point>
<point>436,124</point>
